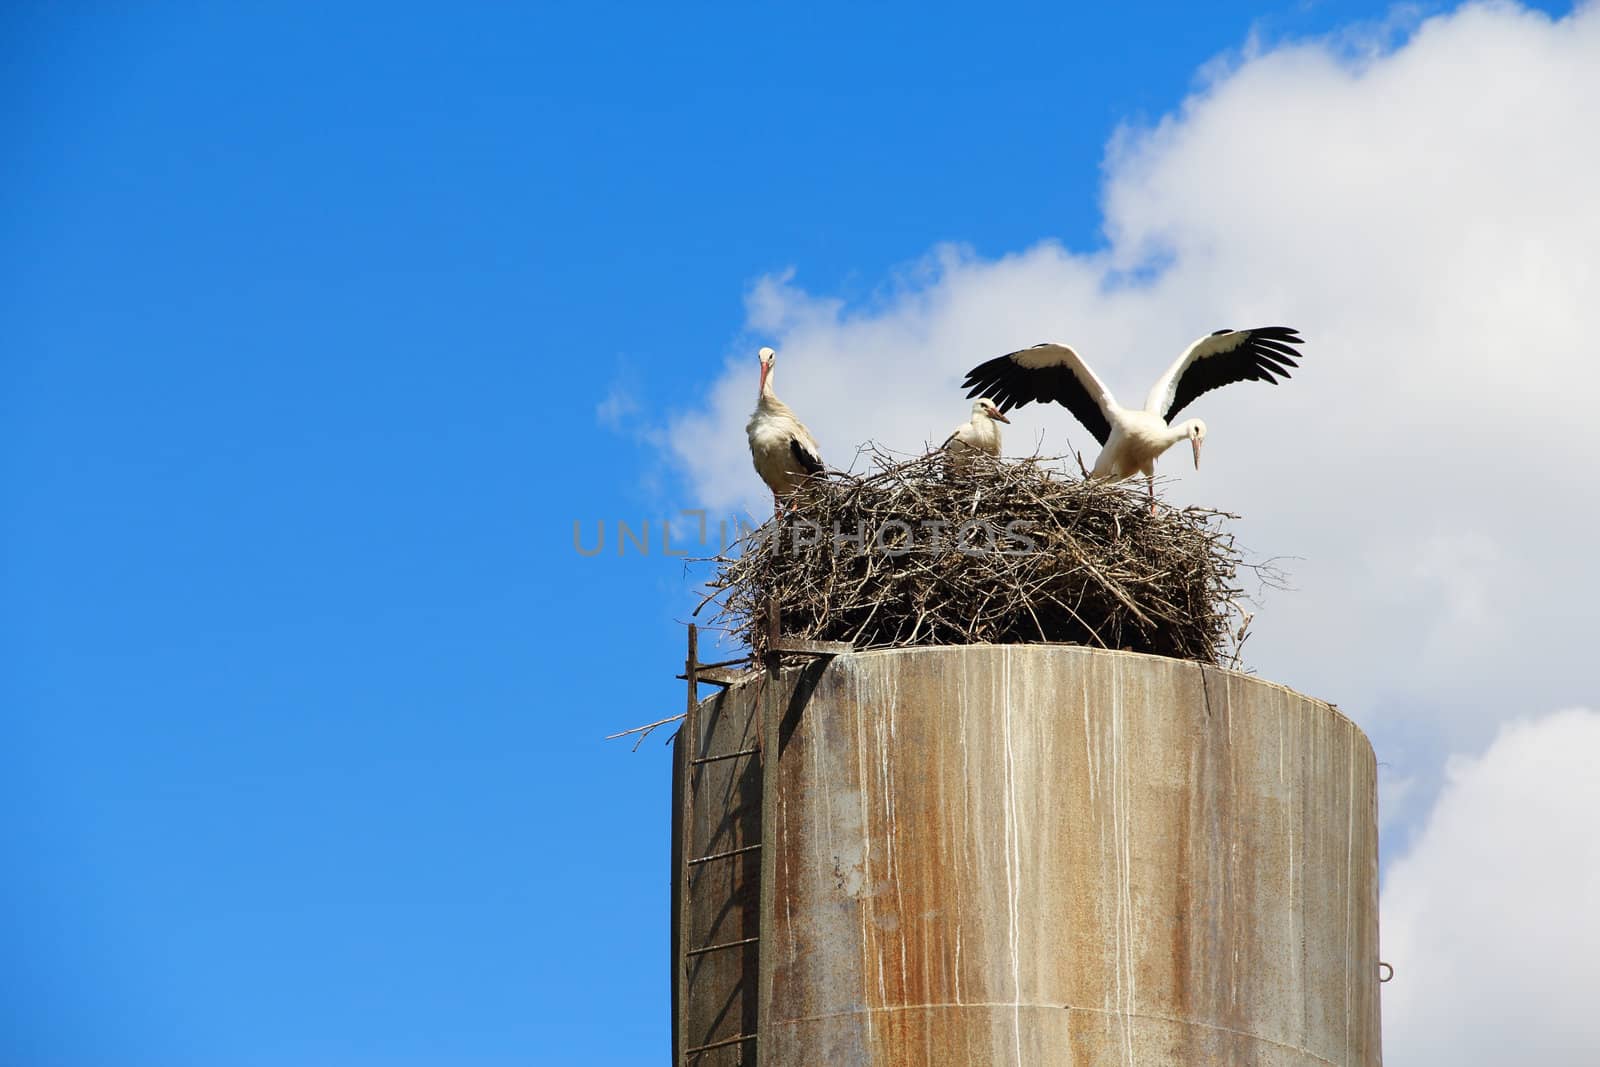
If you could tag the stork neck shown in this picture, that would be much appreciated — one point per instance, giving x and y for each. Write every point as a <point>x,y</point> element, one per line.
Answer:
<point>769,403</point>
<point>1176,433</point>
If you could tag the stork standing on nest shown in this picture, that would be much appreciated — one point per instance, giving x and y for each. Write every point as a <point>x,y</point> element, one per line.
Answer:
<point>978,434</point>
<point>1133,438</point>
<point>784,452</point>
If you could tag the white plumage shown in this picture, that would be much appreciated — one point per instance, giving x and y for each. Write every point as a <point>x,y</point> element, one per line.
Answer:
<point>783,450</point>
<point>1133,438</point>
<point>980,433</point>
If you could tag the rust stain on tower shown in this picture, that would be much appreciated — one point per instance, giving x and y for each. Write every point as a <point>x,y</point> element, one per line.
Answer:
<point>1025,855</point>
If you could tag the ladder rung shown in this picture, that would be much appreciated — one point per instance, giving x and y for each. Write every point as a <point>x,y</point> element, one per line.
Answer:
<point>719,1044</point>
<point>725,944</point>
<point>724,855</point>
<point>725,755</point>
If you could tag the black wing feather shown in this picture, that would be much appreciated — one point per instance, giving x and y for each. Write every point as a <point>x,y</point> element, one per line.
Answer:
<point>804,456</point>
<point>1265,355</point>
<point>1011,385</point>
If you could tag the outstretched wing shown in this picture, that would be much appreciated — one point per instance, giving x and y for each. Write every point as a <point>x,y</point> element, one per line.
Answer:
<point>805,454</point>
<point>1047,372</point>
<point>1227,356</point>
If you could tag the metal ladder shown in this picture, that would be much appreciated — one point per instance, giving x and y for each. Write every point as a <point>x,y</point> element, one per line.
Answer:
<point>690,761</point>
<point>719,674</point>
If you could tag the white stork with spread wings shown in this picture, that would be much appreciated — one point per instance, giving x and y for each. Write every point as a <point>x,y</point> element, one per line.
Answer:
<point>783,450</point>
<point>1132,438</point>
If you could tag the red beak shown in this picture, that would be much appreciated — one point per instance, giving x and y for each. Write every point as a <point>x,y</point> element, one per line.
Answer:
<point>1000,416</point>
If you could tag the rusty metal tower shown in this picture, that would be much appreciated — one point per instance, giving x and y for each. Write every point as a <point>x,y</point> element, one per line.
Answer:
<point>1020,855</point>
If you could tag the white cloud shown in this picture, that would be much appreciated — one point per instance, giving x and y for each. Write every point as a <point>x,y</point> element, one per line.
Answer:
<point>1490,920</point>
<point>621,406</point>
<point>618,406</point>
<point>1423,209</point>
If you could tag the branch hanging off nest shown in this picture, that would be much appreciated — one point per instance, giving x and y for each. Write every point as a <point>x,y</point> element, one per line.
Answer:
<point>1004,552</point>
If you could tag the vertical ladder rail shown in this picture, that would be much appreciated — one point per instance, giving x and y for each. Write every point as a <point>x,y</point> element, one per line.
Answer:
<point>688,749</point>
<point>767,740</point>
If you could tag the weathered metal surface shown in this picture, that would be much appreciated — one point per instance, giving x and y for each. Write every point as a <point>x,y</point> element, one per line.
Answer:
<point>1047,855</point>
<point>1043,855</point>
<point>812,648</point>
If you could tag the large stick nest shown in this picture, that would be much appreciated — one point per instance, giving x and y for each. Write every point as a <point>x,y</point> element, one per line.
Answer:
<point>1004,552</point>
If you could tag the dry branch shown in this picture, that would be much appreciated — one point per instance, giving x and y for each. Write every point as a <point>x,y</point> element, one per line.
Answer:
<point>1006,552</point>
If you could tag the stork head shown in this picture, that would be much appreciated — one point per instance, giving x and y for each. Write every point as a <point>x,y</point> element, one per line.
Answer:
<point>986,407</point>
<point>1195,430</point>
<point>766,356</point>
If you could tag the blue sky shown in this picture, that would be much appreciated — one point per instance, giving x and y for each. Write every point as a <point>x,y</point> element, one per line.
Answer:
<point>304,320</point>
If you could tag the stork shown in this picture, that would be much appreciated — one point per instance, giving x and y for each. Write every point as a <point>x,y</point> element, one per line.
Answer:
<point>1133,438</point>
<point>783,450</point>
<point>978,434</point>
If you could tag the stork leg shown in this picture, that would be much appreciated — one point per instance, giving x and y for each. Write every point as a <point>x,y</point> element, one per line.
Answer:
<point>1151,481</point>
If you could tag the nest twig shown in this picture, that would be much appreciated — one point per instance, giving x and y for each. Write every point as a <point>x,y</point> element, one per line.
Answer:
<point>916,553</point>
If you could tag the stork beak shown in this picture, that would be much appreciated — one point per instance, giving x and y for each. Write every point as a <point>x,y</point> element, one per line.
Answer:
<point>1195,441</point>
<point>1000,416</point>
<point>766,369</point>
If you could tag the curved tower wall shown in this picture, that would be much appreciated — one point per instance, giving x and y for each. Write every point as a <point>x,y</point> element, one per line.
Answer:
<point>1038,855</point>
